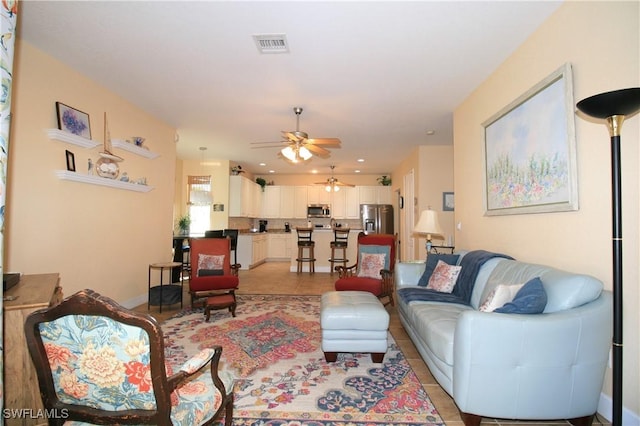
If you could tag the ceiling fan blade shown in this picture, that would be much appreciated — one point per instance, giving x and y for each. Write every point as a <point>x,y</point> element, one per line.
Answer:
<point>326,142</point>
<point>316,150</point>
<point>269,143</point>
<point>290,136</point>
<point>338,183</point>
<point>267,146</point>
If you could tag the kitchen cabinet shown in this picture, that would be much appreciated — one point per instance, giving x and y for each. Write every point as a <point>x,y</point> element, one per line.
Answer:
<point>252,250</point>
<point>259,254</point>
<point>374,194</point>
<point>279,246</point>
<point>339,204</point>
<point>300,201</point>
<point>352,203</point>
<point>316,194</point>
<point>286,202</point>
<point>271,205</point>
<point>245,197</point>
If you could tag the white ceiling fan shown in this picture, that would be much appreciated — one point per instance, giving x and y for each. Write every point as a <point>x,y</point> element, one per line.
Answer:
<point>333,184</point>
<point>298,147</point>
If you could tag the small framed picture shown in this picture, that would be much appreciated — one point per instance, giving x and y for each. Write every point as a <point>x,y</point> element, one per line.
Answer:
<point>73,121</point>
<point>448,203</point>
<point>71,161</point>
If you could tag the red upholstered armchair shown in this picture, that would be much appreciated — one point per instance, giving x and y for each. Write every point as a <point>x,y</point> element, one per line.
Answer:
<point>211,269</point>
<point>373,271</point>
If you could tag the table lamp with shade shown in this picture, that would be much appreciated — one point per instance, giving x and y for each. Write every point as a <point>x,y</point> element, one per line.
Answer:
<point>428,224</point>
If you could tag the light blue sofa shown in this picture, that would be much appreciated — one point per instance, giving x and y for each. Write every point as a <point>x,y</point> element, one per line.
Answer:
<point>513,366</point>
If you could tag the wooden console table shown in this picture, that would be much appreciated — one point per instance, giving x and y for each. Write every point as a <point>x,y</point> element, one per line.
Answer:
<point>21,390</point>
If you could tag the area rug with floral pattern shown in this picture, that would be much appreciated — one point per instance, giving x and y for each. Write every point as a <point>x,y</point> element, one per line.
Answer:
<point>273,348</point>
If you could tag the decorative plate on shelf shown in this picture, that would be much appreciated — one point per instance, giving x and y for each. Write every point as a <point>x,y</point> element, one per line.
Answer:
<point>107,168</point>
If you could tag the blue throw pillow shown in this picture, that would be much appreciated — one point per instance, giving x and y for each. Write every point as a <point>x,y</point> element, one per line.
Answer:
<point>530,299</point>
<point>432,261</point>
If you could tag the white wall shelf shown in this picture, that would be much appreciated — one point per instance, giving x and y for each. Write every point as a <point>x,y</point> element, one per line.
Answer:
<point>97,180</point>
<point>119,143</point>
<point>62,136</point>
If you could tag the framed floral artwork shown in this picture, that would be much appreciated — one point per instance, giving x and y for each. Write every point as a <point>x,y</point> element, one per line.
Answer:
<point>530,151</point>
<point>73,121</point>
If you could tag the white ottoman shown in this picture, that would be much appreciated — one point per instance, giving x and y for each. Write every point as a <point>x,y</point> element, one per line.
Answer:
<point>353,321</point>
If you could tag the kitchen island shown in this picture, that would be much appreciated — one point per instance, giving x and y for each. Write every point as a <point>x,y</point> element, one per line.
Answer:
<point>323,238</point>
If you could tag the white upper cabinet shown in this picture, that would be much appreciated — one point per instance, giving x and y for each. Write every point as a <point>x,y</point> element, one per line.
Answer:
<point>316,194</point>
<point>300,201</point>
<point>245,197</point>
<point>271,201</point>
<point>375,194</point>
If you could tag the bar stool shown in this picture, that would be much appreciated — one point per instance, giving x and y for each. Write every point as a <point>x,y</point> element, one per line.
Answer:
<point>305,242</point>
<point>340,242</point>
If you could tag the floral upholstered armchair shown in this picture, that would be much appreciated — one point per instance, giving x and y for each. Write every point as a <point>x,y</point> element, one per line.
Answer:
<point>373,270</point>
<point>98,363</point>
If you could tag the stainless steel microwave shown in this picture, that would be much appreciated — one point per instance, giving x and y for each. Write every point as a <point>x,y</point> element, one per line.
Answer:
<point>318,210</point>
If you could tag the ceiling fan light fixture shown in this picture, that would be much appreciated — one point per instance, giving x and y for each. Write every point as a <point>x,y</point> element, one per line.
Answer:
<point>296,155</point>
<point>304,153</point>
<point>332,187</point>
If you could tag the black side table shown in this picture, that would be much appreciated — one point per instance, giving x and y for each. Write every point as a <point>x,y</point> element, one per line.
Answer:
<point>164,294</point>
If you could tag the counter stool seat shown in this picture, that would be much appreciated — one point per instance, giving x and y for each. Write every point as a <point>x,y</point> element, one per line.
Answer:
<point>305,242</point>
<point>340,243</point>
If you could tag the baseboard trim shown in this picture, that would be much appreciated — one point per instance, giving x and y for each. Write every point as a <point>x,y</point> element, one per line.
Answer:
<point>136,301</point>
<point>605,409</point>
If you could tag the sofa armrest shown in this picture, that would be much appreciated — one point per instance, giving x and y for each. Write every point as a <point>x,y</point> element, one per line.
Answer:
<point>408,274</point>
<point>532,366</point>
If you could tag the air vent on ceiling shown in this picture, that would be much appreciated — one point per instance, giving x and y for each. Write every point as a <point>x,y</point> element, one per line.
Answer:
<point>271,43</point>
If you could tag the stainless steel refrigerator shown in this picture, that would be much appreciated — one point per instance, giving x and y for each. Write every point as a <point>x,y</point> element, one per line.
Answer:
<point>377,218</point>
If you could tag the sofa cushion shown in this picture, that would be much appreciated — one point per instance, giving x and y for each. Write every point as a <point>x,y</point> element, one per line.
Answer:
<point>565,290</point>
<point>530,299</point>
<point>435,323</point>
<point>444,277</point>
<point>432,262</point>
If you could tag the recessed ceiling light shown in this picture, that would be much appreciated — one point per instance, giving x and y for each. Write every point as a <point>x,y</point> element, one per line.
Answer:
<point>263,164</point>
<point>357,171</point>
<point>431,132</point>
<point>360,160</point>
<point>314,171</point>
<point>272,171</point>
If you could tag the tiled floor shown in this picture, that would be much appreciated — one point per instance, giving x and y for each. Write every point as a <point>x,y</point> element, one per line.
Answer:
<point>275,278</point>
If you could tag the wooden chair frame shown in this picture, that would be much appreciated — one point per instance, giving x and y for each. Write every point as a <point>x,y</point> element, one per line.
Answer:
<point>88,302</point>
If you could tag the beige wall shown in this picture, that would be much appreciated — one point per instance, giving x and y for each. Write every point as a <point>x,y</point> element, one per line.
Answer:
<point>432,167</point>
<point>95,237</point>
<point>601,41</point>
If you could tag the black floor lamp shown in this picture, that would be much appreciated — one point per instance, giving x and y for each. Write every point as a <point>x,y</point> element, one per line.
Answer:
<point>614,107</point>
